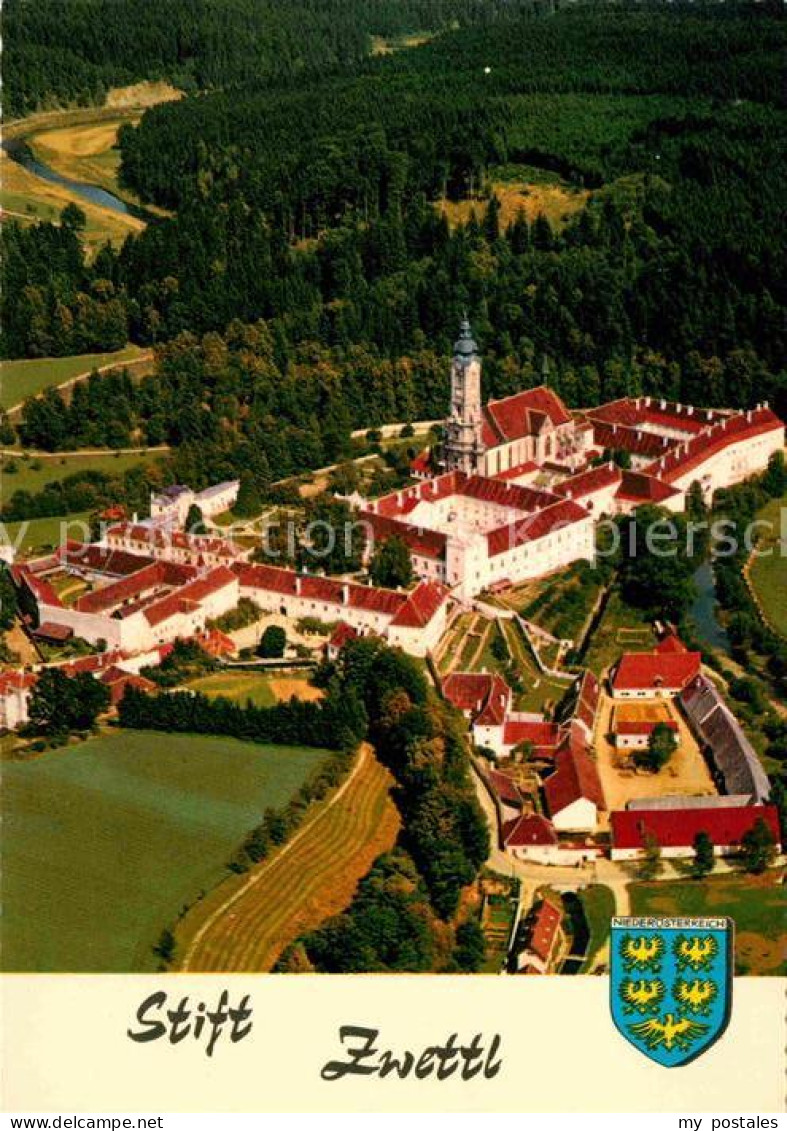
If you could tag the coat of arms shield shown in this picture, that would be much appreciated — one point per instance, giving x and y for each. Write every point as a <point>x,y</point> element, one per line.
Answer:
<point>671,984</point>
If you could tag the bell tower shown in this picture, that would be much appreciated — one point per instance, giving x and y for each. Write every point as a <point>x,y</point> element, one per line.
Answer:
<point>463,447</point>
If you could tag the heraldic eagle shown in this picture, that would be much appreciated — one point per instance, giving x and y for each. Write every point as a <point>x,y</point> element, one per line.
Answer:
<point>669,1032</point>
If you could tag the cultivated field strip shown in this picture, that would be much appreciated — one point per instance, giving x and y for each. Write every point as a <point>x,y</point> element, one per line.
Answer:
<point>311,878</point>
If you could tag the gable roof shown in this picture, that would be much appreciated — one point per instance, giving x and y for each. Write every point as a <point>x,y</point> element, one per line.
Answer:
<point>677,828</point>
<point>587,482</point>
<point>544,929</point>
<point>486,696</point>
<point>651,671</point>
<point>523,414</point>
<point>530,829</point>
<point>421,605</point>
<point>575,778</point>
<point>534,526</point>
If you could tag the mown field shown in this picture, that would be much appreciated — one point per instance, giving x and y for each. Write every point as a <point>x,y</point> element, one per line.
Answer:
<point>35,473</point>
<point>104,843</point>
<point>768,572</point>
<point>25,378</point>
<point>38,534</point>
<point>261,689</point>
<point>755,903</point>
<point>248,921</point>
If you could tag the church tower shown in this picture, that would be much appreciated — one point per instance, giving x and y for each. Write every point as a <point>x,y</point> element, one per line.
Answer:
<point>463,448</point>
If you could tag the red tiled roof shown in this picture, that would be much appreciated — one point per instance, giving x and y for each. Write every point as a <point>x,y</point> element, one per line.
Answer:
<point>421,606</point>
<point>421,464</point>
<point>671,643</point>
<point>587,482</point>
<point>50,631</point>
<point>527,468</point>
<point>732,430</point>
<point>216,643</point>
<point>587,700</point>
<point>486,696</point>
<point>522,414</point>
<point>188,598</point>
<point>642,726</point>
<point>341,635</point>
<point>38,586</point>
<point>17,681</point>
<point>99,559</point>
<point>543,736</point>
<point>677,828</point>
<point>504,788</point>
<point>633,411</point>
<point>651,671</point>
<point>637,487</point>
<point>132,585</point>
<point>424,543</point>
<point>575,777</point>
<point>535,526</point>
<point>164,537</point>
<point>118,687</point>
<point>616,437</point>
<point>531,829</point>
<point>544,930</point>
<point>414,609</point>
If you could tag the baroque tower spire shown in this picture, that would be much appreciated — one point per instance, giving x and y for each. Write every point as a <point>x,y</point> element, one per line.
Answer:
<point>463,448</point>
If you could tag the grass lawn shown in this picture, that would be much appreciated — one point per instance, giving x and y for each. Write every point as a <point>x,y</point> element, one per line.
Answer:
<point>755,903</point>
<point>34,474</point>
<point>238,686</point>
<point>768,574</point>
<point>38,534</point>
<point>24,378</point>
<point>621,629</point>
<point>106,841</point>
<point>598,903</point>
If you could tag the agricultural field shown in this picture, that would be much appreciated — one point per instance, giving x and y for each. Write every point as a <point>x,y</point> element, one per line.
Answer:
<point>246,923</point>
<point>105,842</point>
<point>768,570</point>
<point>26,378</point>
<point>755,903</point>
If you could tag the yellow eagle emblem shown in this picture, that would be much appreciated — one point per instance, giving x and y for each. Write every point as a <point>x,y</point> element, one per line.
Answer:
<point>698,995</point>
<point>671,1033</point>
<point>642,952</point>
<point>642,996</point>
<point>696,952</point>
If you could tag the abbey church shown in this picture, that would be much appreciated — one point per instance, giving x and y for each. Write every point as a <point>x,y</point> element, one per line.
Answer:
<point>517,486</point>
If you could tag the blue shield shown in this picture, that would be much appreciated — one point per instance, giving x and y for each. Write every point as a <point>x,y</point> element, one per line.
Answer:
<point>671,984</point>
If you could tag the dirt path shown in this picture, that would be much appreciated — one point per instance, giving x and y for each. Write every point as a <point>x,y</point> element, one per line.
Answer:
<point>313,877</point>
<point>140,359</point>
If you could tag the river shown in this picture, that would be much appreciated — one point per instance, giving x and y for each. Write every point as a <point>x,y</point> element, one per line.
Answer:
<point>18,151</point>
<point>703,612</point>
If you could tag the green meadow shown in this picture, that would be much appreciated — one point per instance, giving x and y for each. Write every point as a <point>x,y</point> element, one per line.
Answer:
<point>105,842</point>
<point>21,379</point>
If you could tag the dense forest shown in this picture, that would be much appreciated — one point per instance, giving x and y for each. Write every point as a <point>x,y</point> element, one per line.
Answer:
<point>308,284</point>
<point>61,54</point>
